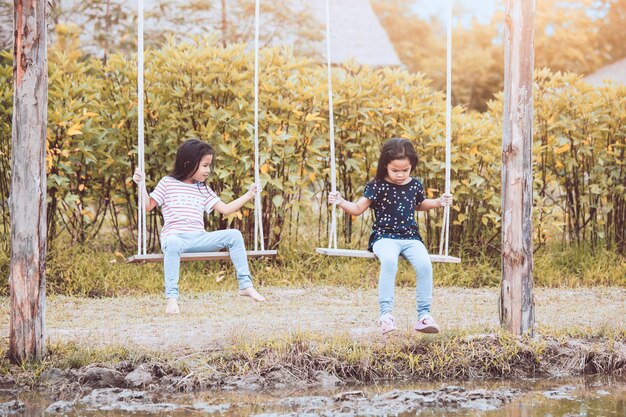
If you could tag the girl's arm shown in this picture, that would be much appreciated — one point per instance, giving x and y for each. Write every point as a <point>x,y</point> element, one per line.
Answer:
<point>235,205</point>
<point>431,203</point>
<point>353,209</point>
<point>140,179</point>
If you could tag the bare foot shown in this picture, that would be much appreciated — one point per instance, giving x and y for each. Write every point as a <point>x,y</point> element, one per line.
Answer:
<point>251,292</point>
<point>172,306</point>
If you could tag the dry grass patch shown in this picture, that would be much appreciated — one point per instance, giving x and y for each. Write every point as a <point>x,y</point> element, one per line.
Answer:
<point>455,356</point>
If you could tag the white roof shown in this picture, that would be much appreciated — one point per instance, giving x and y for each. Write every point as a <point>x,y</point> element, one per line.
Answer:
<point>614,72</point>
<point>356,33</point>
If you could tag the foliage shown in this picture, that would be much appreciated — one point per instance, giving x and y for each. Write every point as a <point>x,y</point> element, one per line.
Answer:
<point>578,37</point>
<point>282,22</point>
<point>567,36</point>
<point>6,111</point>
<point>110,26</point>
<point>477,66</point>
<point>612,31</point>
<point>6,29</point>
<point>203,90</point>
<point>78,188</point>
<point>580,154</point>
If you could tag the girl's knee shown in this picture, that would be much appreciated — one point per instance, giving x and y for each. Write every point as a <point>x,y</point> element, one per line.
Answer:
<point>172,244</point>
<point>424,269</point>
<point>234,236</point>
<point>389,264</point>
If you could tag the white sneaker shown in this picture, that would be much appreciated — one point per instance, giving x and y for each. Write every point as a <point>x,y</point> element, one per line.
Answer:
<point>387,323</point>
<point>427,324</point>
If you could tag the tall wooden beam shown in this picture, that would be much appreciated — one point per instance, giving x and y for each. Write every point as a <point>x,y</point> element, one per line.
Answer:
<point>516,298</point>
<point>27,202</point>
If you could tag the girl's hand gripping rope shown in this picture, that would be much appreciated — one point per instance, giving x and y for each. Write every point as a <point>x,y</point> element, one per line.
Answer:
<point>139,177</point>
<point>446,200</point>
<point>335,198</point>
<point>254,188</point>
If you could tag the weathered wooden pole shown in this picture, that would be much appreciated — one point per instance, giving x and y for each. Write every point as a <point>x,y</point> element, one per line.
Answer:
<point>516,298</point>
<point>27,202</point>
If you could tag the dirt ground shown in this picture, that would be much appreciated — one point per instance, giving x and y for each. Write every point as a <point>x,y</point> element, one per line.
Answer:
<point>215,320</point>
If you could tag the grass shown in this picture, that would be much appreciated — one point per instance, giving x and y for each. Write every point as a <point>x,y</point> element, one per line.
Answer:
<point>575,266</point>
<point>97,270</point>
<point>103,273</point>
<point>456,356</point>
<point>67,356</point>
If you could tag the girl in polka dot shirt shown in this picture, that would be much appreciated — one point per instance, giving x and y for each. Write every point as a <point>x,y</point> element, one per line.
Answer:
<point>394,196</point>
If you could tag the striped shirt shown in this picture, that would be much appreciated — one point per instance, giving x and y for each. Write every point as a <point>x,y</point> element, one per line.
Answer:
<point>183,205</point>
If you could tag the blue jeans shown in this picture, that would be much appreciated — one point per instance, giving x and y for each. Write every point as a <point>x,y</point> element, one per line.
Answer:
<point>387,251</point>
<point>175,244</point>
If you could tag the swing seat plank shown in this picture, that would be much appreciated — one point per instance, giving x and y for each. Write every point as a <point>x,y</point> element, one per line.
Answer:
<point>200,256</point>
<point>353,253</point>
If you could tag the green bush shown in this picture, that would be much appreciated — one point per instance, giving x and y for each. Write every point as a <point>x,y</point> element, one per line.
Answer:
<point>204,90</point>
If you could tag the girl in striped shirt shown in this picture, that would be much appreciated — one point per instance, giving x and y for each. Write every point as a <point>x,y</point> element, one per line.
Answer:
<point>184,197</point>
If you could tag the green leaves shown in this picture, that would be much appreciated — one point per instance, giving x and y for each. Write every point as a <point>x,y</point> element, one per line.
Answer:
<point>204,90</point>
<point>578,160</point>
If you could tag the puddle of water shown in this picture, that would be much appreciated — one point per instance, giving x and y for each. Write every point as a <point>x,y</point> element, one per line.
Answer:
<point>590,396</point>
<point>556,398</point>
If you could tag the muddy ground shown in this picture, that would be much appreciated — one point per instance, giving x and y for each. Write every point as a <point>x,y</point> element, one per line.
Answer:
<point>210,324</point>
<point>347,403</point>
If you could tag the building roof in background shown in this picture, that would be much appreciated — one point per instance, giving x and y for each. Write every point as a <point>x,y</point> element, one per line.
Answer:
<point>356,33</point>
<point>614,72</point>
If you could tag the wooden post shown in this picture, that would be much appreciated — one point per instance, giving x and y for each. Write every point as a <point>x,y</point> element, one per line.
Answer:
<point>516,298</point>
<point>27,202</point>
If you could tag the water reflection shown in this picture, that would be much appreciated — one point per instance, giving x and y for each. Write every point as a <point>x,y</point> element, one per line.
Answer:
<point>591,396</point>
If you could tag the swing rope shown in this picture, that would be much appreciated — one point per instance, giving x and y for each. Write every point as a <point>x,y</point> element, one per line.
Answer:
<point>141,203</point>
<point>332,233</point>
<point>445,229</point>
<point>141,209</point>
<point>258,212</point>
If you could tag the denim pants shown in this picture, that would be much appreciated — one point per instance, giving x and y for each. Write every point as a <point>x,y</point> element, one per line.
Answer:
<point>387,251</point>
<point>175,244</point>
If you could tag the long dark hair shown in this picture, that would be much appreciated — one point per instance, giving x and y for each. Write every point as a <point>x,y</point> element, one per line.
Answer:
<point>188,157</point>
<point>396,148</point>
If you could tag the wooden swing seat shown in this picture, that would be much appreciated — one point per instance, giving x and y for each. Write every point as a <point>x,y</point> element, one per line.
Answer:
<point>199,256</point>
<point>353,253</point>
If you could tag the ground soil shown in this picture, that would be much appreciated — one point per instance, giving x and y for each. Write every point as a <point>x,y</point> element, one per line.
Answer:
<point>215,320</point>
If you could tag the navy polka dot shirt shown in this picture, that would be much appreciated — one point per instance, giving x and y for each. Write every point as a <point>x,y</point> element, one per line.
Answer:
<point>394,209</point>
